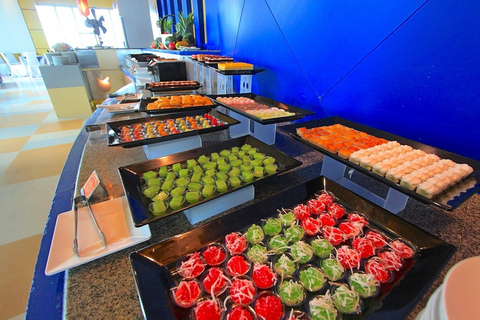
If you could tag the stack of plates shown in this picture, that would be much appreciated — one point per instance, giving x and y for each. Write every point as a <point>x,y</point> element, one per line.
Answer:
<point>459,295</point>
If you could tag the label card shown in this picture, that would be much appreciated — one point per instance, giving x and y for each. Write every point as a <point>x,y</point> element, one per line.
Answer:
<point>91,184</point>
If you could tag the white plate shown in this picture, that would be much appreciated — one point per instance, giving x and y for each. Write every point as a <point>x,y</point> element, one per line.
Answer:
<point>124,107</point>
<point>461,290</point>
<point>115,220</point>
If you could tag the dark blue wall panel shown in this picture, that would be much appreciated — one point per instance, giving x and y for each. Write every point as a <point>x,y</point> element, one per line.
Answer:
<point>408,67</point>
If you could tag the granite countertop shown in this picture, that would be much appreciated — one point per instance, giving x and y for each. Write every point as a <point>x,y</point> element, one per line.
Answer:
<point>105,288</point>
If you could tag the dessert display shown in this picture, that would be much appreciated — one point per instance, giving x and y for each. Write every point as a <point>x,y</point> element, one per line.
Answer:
<point>272,226</point>
<point>254,234</point>
<point>263,276</point>
<point>214,254</point>
<point>278,243</point>
<point>242,291</point>
<point>312,278</point>
<point>186,293</point>
<point>192,266</point>
<point>171,84</point>
<point>237,266</point>
<point>180,101</point>
<point>365,284</point>
<point>301,251</point>
<point>257,253</point>
<point>236,243</point>
<point>214,282</point>
<point>322,248</point>
<point>269,307</point>
<point>207,310</point>
<point>235,66</point>
<point>284,265</point>
<point>291,292</point>
<point>210,57</point>
<point>254,108</point>
<point>346,300</point>
<point>322,308</point>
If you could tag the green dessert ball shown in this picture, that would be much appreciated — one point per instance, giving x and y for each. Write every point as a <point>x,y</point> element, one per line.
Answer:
<point>258,172</point>
<point>162,171</point>
<point>203,159</point>
<point>232,157</point>
<point>269,160</point>
<point>224,167</point>
<point>225,153</point>
<point>184,173</point>
<point>322,308</point>
<point>214,156</point>
<point>161,196</point>
<point>257,253</point>
<point>285,266</point>
<point>332,269</point>
<point>252,151</point>
<point>234,181</point>
<point>346,300</point>
<point>246,159</point>
<point>210,173</point>
<point>170,176</point>
<point>291,292</point>
<point>150,192</point>
<point>278,243</point>
<point>182,181</point>
<point>207,180</point>
<point>312,278</point>
<point>287,218</point>
<point>149,175</point>
<point>167,185</point>
<point>194,186</point>
<point>294,233</point>
<point>256,163</point>
<point>221,185</point>
<point>235,150</point>
<point>191,163</point>
<point>234,172</point>
<point>176,167</point>
<point>176,202</point>
<point>365,284</point>
<point>208,191</point>
<point>178,191</point>
<point>209,165</point>
<point>272,227</point>
<point>197,169</point>
<point>196,177</point>
<point>246,167</point>
<point>158,207</point>
<point>271,168</point>
<point>247,176</point>
<point>321,247</point>
<point>192,197</point>
<point>254,234</point>
<point>154,182</point>
<point>221,160</point>
<point>258,156</point>
<point>301,251</point>
<point>245,147</point>
<point>221,175</point>
<point>236,163</point>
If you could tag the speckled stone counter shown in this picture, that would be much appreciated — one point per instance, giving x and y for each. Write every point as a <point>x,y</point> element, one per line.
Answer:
<point>105,288</point>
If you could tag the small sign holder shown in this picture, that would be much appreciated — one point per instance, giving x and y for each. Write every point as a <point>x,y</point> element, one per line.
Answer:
<point>93,187</point>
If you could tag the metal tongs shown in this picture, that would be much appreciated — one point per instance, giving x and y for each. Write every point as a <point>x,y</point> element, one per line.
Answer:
<point>84,200</point>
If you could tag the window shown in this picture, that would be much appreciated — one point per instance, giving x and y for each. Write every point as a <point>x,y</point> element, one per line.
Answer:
<point>66,24</point>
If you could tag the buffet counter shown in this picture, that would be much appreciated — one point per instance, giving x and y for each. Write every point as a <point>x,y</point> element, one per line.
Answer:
<point>105,288</point>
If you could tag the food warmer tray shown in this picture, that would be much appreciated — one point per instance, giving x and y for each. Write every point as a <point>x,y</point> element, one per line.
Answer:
<point>153,281</point>
<point>131,175</point>
<point>299,113</point>
<point>145,102</point>
<point>448,200</point>
<point>172,88</point>
<point>113,128</point>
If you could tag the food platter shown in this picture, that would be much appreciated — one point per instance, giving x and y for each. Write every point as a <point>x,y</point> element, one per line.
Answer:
<point>114,129</point>
<point>132,176</point>
<point>195,86</point>
<point>448,200</point>
<point>298,112</point>
<point>151,266</point>
<point>144,103</point>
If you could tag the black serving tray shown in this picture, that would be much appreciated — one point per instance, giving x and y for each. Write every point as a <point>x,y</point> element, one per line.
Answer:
<point>145,102</point>
<point>172,88</point>
<point>114,127</point>
<point>131,175</point>
<point>153,280</point>
<point>299,113</point>
<point>448,200</point>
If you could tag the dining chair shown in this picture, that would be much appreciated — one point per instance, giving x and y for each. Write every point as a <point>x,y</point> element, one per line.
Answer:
<point>16,67</point>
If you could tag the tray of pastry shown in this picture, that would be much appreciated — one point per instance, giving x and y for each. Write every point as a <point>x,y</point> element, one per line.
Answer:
<point>260,109</point>
<point>428,174</point>
<point>164,186</point>
<point>271,257</point>
<point>161,128</point>
<point>174,103</point>
<point>179,85</point>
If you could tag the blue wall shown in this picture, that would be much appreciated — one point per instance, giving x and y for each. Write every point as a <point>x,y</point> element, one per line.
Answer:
<point>408,67</point>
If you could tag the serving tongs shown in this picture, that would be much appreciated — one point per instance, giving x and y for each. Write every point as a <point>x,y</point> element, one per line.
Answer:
<point>84,200</point>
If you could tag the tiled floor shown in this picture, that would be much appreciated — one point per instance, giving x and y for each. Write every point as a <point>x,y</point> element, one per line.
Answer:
<point>34,145</point>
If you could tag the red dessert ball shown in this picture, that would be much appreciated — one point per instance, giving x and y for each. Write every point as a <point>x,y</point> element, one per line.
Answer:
<point>242,291</point>
<point>301,211</point>
<point>391,260</point>
<point>364,247</point>
<point>187,293</point>
<point>348,257</point>
<point>327,220</point>
<point>269,307</point>
<point>311,226</point>
<point>350,229</point>
<point>235,243</point>
<point>355,217</point>
<point>263,276</point>
<point>214,281</point>
<point>208,310</point>
<point>325,198</point>
<point>237,266</point>
<point>240,313</point>
<point>192,266</point>
<point>401,249</point>
<point>336,210</point>
<point>214,255</point>
<point>334,235</point>
<point>376,268</point>
<point>377,239</point>
<point>316,206</point>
